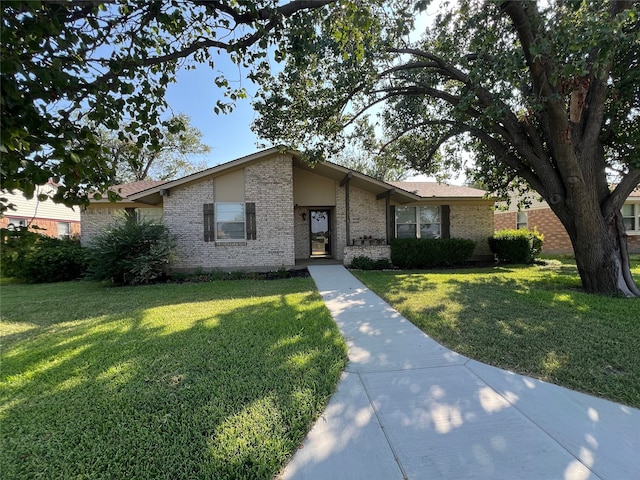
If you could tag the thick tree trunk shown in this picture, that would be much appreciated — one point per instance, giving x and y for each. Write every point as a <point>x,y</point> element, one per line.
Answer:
<point>600,248</point>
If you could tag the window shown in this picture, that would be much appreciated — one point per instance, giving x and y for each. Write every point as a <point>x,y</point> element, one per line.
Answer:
<point>15,223</point>
<point>418,222</point>
<point>64,230</point>
<point>230,221</point>
<point>406,225</point>
<point>429,222</point>
<point>522,220</point>
<point>631,217</point>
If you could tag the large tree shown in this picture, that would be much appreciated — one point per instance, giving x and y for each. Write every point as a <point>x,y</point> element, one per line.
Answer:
<point>67,64</point>
<point>546,96</point>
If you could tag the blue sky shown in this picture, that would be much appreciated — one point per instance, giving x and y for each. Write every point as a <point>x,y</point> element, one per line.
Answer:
<point>228,135</point>
<point>195,94</point>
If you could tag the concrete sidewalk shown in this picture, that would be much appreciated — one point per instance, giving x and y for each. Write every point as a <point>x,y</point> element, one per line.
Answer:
<point>408,408</point>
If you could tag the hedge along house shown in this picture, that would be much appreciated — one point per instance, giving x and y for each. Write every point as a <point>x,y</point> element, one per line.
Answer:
<point>272,210</point>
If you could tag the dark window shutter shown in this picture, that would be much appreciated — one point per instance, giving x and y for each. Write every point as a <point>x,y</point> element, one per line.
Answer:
<point>250,212</point>
<point>209,222</point>
<point>445,223</point>
<point>391,224</point>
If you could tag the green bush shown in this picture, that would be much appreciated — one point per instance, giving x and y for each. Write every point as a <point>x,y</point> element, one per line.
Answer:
<point>365,263</point>
<point>33,258</point>
<point>131,252</point>
<point>516,246</point>
<point>430,252</point>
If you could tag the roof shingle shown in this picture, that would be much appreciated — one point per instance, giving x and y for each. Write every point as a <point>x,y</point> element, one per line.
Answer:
<point>435,189</point>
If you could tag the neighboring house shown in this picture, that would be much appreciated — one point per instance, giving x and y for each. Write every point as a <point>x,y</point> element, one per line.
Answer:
<point>42,216</point>
<point>271,210</point>
<point>540,216</point>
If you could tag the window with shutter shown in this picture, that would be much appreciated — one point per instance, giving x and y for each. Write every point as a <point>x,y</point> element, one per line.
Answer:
<point>228,222</point>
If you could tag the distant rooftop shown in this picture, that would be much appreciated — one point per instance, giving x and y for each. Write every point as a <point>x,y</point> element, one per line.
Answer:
<point>435,189</point>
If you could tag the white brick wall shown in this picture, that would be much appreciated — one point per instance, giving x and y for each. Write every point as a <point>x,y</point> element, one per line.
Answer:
<point>95,221</point>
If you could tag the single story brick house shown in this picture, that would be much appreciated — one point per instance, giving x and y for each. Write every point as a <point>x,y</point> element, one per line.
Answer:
<point>272,210</point>
<point>556,240</point>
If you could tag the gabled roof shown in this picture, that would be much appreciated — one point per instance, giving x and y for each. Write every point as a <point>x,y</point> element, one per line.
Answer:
<point>399,192</point>
<point>327,169</point>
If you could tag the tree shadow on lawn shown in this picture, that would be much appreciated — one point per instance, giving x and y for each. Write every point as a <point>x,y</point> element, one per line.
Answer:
<point>543,327</point>
<point>228,393</point>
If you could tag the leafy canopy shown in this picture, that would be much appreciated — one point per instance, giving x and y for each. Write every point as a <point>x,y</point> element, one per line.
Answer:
<point>67,65</point>
<point>475,81</point>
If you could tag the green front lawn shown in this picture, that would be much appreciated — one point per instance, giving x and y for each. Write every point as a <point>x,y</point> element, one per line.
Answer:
<point>212,380</point>
<point>531,320</point>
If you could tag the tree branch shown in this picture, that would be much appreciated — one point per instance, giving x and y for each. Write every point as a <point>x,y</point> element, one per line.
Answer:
<point>525,20</point>
<point>424,124</point>
<point>621,192</point>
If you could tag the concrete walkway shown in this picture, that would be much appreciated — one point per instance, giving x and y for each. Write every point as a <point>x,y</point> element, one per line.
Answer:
<point>408,408</point>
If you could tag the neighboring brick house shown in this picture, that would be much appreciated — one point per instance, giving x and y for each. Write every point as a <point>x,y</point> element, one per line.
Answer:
<point>271,210</point>
<point>538,215</point>
<point>42,216</point>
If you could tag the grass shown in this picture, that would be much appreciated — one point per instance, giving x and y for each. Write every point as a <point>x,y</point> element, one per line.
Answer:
<point>533,320</point>
<point>212,380</point>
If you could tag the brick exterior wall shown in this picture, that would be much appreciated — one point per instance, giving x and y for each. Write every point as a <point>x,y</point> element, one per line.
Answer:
<point>545,221</point>
<point>95,220</point>
<point>556,239</point>
<point>46,226</point>
<point>301,232</point>
<point>368,216</point>
<point>282,233</point>
<point>374,252</point>
<point>340,221</point>
<point>504,220</point>
<point>474,222</point>
<point>365,220</point>
<point>269,184</point>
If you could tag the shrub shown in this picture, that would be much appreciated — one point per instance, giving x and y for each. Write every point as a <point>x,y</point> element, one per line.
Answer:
<point>131,252</point>
<point>430,252</point>
<point>34,258</point>
<point>365,263</point>
<point>516,246</point>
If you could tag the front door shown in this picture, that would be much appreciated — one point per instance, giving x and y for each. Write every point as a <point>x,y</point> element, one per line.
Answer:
<point>320,228</point>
